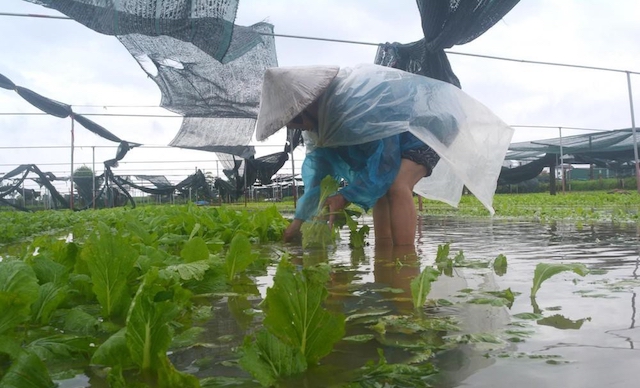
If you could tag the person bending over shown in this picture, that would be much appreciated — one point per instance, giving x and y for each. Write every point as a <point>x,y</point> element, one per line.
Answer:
<point>387,134</point>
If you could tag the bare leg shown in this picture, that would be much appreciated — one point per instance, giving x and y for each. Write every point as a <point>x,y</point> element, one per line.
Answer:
<point>382,221</point>
<point>402,209</point>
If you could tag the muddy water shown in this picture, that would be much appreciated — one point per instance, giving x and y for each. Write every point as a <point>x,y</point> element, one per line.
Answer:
<point>589,339</point>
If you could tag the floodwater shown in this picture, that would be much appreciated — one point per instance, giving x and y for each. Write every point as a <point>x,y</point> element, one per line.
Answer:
<point>591,339</point>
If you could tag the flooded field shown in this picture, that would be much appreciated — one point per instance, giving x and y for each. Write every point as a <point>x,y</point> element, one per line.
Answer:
<point>583,332</point>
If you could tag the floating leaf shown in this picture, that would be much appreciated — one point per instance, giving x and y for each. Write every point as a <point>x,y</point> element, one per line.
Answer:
<point>528,316</point>
<point>546,270</point>
<point>560,322</point>
<point>384,374</point>
<point>500,265</point>
<point>361,338</point>
<point>294,312</point>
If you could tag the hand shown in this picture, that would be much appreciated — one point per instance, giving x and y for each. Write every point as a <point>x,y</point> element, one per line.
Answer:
<point>335,203</point>
<point>292,233</point>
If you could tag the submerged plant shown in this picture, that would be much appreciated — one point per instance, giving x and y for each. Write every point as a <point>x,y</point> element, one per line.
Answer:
<point>546,270</point>
<point>421,286</point>
<point>299,331</point>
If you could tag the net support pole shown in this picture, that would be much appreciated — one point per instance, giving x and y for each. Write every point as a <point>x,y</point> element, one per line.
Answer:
<point>633,131</point>
<point>93,177</point>
<point>72,149</point>
<point>293,176</point>
<point>561,159</point>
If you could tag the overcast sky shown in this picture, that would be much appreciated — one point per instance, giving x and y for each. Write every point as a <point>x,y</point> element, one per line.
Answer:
<point>65,61</point>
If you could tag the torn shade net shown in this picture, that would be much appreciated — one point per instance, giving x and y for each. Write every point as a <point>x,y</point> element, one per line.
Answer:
<point>205,24</point>
<point>219,101</point>
<point>159,181</point>
<point>444,24</point>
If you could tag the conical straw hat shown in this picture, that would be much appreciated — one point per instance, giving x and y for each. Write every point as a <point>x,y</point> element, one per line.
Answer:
<point>286,91</point>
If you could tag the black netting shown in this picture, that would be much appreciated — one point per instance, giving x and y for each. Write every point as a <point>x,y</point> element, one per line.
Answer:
<point>265,167</point>
<point>44,179</point>
<point>159,181</point>
<point>525,172</point>
<point>207,69</point>
<point>207,24</point>
<point>444,24</point>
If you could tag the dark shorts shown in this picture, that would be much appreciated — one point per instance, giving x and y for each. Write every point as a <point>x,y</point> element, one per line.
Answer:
<point>424,156</point>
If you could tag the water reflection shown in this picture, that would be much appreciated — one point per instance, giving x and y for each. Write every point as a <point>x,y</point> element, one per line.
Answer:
<point>586,324</point>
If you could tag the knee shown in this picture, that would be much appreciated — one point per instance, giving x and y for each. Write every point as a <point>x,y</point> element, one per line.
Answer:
<point>399,190</point>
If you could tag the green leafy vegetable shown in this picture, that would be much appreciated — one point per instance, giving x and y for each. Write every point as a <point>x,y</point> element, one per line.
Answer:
<point>546,270</point>
<point>421,286</point>
<point>195,250</point>
<point>316,233</point>
<point>60,347</point>
<point>18,290</point>
<point>26,371</point>
<point>110,260</point>
<point>268,359</point>
<point>50,297</point>
<point>294,311</point>
<point>239,256</point>
<point>356,236</point>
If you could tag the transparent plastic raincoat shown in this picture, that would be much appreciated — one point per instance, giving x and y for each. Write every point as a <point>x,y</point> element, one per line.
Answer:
<point>369,114</point>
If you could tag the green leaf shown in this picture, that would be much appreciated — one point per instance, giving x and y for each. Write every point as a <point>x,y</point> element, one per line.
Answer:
<point>47,270</point>
<point>80,322</point>
<point>356,236</point>
<point>360,338</point>
<point>269,359</point>
<point>421,285</point>
<point>110,260</point>
<point>239,256</point>
<point>443,253</point>
<point>316,232</point>
<point>294,312</point>
<point>546,270</point>
<point>194,270</point>
<point>187,337</point>
<point>384,374</point>
<point>528,316</point>
<point>560,322</point>
<point>148,336</point>
<point>18,290</point>
<point>60,347</point>
<point>500,265</point>
<point>50,297</point>
<point>195,250</point>
<point>26,371</point>
<point>113,352</point>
